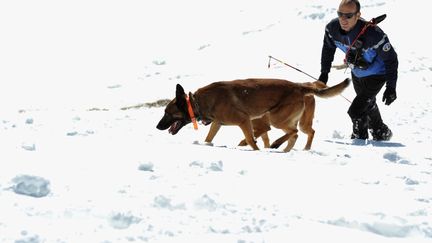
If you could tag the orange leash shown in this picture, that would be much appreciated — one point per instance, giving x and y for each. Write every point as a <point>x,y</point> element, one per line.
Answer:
<point>191,113</point>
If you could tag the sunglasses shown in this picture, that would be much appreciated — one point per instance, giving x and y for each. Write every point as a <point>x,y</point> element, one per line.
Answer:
<point>346,15</point>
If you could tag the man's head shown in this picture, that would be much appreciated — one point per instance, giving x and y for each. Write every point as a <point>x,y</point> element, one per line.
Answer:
<point>348,13</point>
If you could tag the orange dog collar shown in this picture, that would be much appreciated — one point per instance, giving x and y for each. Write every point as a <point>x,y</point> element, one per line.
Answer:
<point>191,113</point>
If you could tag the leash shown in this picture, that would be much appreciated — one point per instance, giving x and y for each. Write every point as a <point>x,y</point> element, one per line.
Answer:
<point>191,113</point>
<point>286,64</point>
<point>373,22</point>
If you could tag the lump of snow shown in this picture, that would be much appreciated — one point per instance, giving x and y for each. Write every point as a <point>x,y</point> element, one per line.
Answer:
<point>123,221</point>
<point>164,202</point>
<point>74,133</point>
<point>146,167</point>
<point>409,181</point>
<point>29,121</point>
<point>216,166</point>
<point>115,86</point>
<point>338,134</point>
<point>405,162</point>
<point>30,239</point>
<point>395,158</point>
<point>392,156</point>
<point>28,146</point>
<point>197,164</point>
<point>90,132</point>
<point>33,186</point>
<point>158,62</point>
<point>207,203</point>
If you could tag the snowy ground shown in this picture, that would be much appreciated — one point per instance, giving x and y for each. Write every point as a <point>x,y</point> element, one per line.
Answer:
<point>75,167</point>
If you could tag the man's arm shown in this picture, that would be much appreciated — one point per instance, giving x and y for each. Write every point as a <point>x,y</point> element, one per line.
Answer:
<point>327,56</point>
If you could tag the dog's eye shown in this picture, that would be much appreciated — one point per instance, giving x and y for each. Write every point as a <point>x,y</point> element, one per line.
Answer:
<point>177,115</point>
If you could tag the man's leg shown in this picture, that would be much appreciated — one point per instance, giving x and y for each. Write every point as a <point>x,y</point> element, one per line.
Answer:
<point>379,130</point>
<point>360,121</point>
<point>363,111</point>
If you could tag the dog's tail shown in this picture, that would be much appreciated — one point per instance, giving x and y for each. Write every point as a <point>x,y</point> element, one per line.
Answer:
<point>331,91</point>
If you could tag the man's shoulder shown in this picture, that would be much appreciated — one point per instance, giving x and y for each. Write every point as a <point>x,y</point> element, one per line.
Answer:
<point>374,34</point>
<point>333,25</point>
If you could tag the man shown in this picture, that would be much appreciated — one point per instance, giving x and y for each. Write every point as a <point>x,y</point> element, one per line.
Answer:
<point>373,63</point>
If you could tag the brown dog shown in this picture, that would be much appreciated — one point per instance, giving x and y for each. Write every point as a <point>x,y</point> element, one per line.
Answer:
<point>262,125</point>
<point>240,101</point>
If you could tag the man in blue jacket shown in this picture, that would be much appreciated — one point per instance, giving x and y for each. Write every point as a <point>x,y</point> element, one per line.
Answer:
<point>373,63</point>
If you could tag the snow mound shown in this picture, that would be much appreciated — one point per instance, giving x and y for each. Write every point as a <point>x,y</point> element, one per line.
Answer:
<point>33,186</point>
<point>165,202</point>
<point>28,238</point>
<point>123,220</point>
<point>146,167</point>
<point>207,203</point>
<point>28,146</point>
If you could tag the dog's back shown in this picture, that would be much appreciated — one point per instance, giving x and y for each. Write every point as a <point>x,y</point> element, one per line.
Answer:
<point>257,96</point>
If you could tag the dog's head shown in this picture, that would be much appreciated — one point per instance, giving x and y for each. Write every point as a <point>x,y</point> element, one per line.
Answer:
<point>176,113</point>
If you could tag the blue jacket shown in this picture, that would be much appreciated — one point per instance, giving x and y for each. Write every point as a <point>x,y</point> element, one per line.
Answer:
<point>376,50</point>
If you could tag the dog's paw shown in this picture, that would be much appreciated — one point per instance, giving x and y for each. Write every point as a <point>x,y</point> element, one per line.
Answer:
<point>205,143</point>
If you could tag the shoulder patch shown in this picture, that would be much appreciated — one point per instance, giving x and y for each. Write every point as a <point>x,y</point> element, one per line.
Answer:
<point>386,47</point>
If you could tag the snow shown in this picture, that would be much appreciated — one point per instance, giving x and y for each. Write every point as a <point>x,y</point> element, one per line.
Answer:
<point>81,159</point>
<point>33,186</point>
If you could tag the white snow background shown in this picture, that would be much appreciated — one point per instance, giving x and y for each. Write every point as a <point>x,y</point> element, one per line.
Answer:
<point>76,167</point>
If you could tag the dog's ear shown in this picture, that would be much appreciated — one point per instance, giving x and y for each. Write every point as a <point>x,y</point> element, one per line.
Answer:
<point>180,97</point>
<point>179,91</point>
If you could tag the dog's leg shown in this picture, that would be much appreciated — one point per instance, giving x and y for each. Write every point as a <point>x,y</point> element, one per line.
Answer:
<point>309,139</point>
<point>261,131</point>
<point>214,128</point>
<point>306,127</point>
<point>278,142</point>
<point>242,143</point>
<point>292,140</point>
<point>246,127</point>
<point>266,140</point>
<point>260,128</point>
<point>264,136</point>
<point>290,136</point>
<point>306,120</point>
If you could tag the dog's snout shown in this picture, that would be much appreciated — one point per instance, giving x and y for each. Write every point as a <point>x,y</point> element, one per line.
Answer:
<point>161,126</point>
<point>164,123</point>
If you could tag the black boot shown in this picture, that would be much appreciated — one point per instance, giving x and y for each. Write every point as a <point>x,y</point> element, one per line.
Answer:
<point>379,130</point>
<point>360,128</point>
<point>381,133</point>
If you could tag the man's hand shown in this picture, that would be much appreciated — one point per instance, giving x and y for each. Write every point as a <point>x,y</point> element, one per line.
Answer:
<point>323,78</point>
<point>389,95</point>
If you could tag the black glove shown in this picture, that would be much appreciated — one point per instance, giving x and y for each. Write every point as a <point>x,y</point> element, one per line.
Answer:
<point>389,95</point>
<point>323,77</point>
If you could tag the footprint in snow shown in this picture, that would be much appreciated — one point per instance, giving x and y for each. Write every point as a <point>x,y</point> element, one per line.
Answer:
<point>395,158</point>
